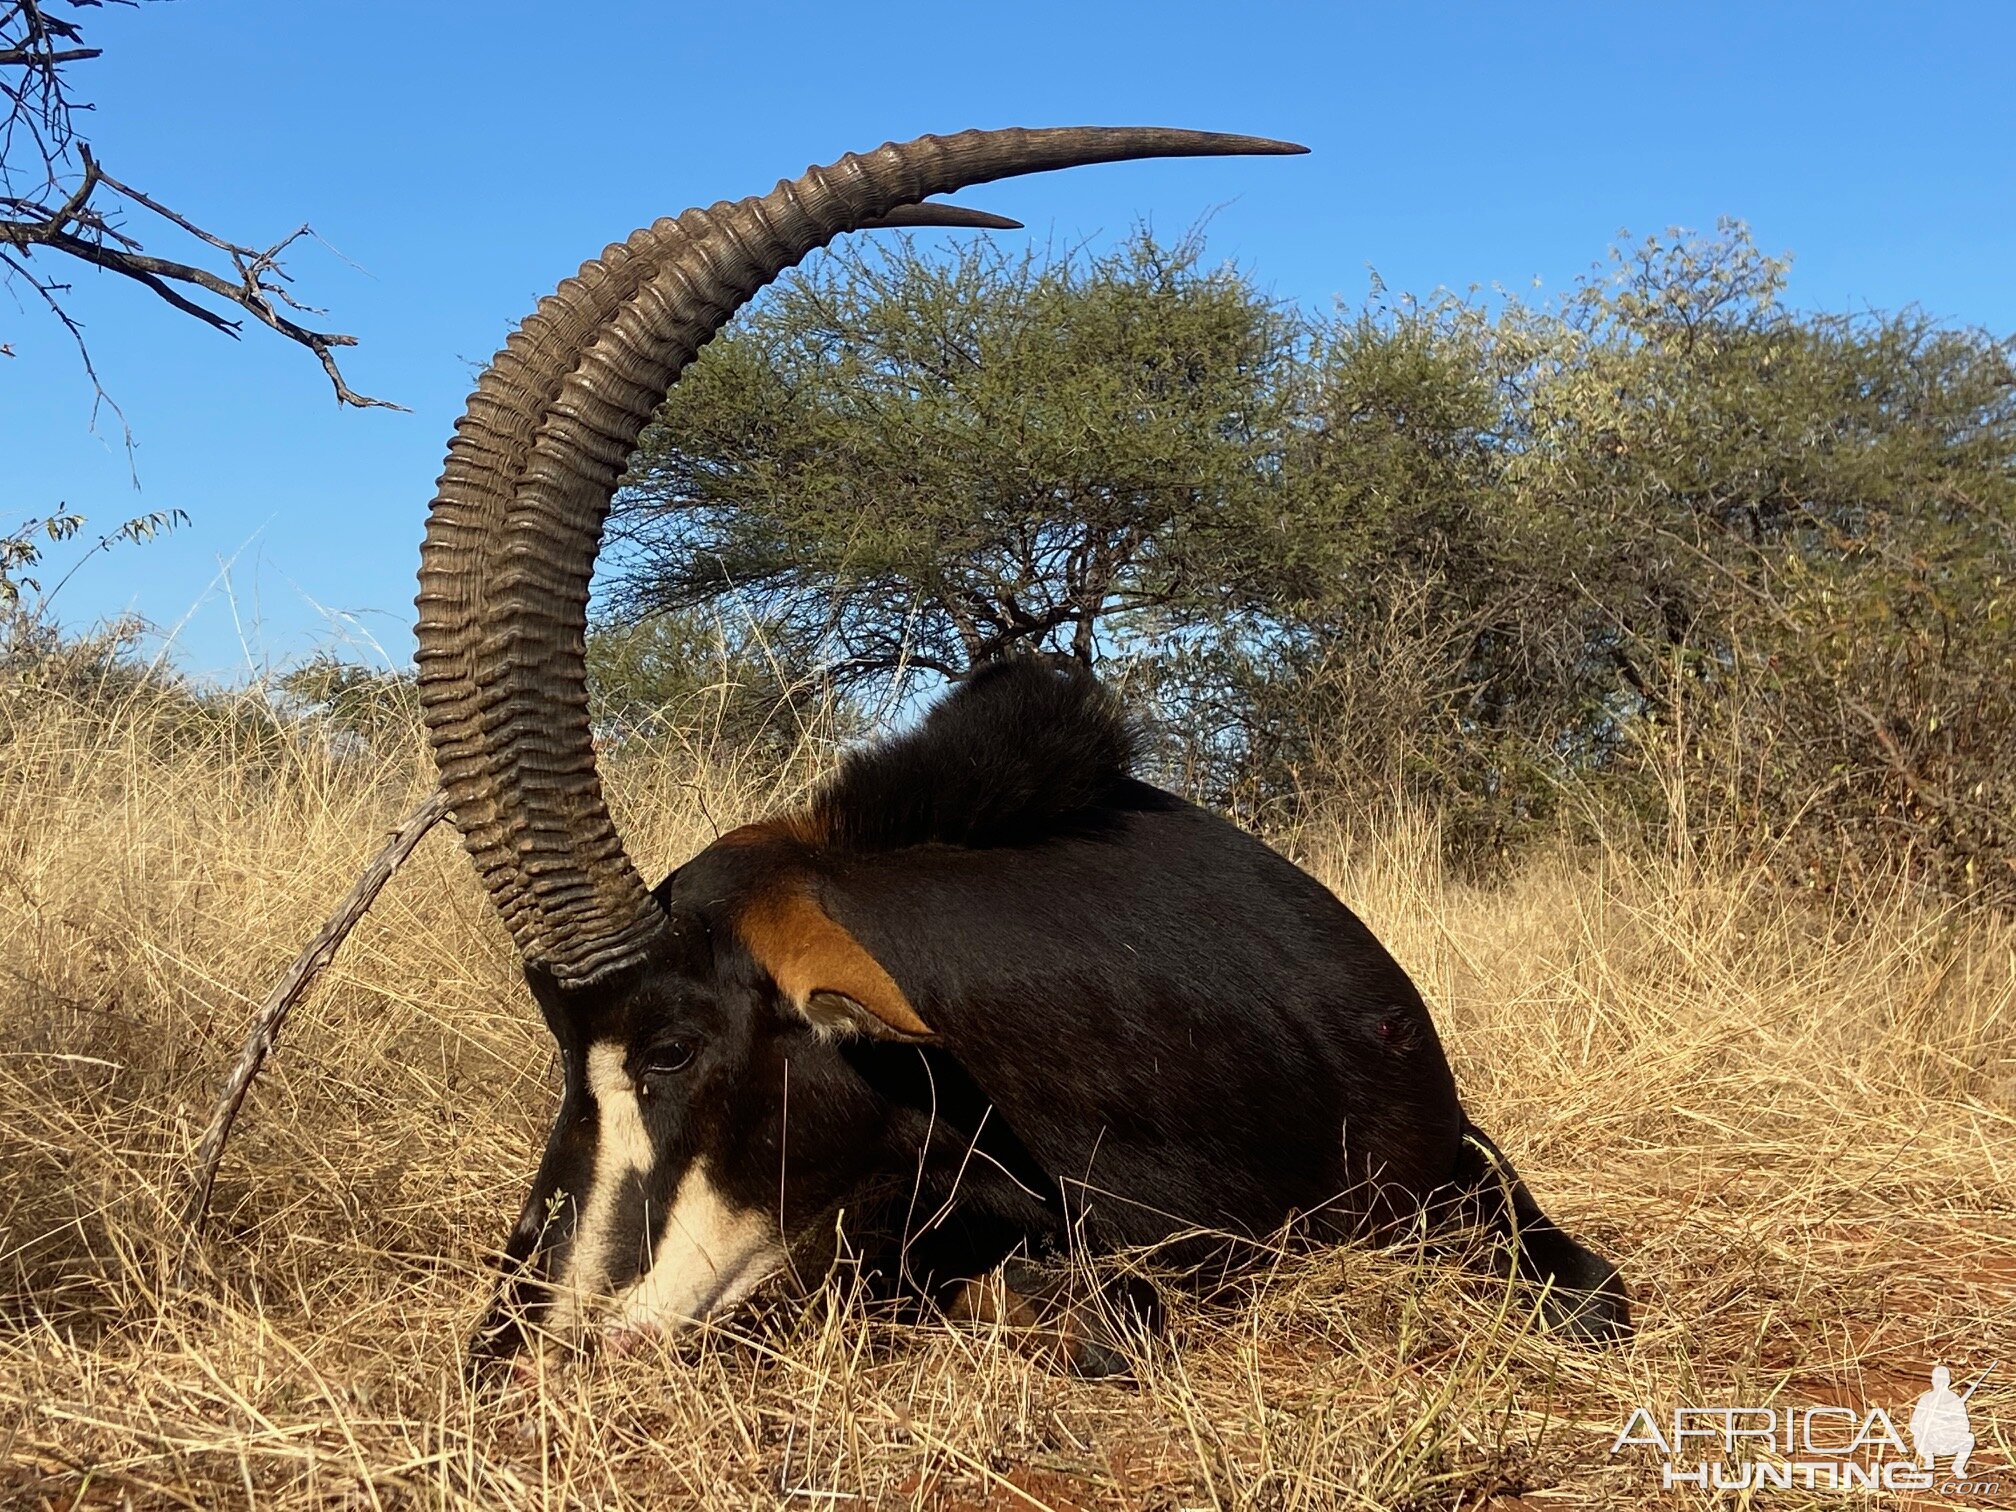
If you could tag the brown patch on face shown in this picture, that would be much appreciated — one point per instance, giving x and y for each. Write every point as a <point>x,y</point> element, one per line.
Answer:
<point>808,954</point>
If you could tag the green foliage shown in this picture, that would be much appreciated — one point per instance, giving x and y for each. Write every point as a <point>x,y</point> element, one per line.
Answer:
<point>689,676</point>
<point>1664,550</point>
<point>21,550</point>
<point>98,665</point>
<point>1791,536</point>
<point>371,705</point>
<point>103,684</point>
<point>908,463</point>
<point>23,545</point>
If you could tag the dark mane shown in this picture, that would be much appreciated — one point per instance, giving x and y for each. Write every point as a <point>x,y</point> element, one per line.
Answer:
<point>1010,755</point>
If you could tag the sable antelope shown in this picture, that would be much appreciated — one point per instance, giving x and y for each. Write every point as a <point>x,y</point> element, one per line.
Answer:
<point>986,993</point>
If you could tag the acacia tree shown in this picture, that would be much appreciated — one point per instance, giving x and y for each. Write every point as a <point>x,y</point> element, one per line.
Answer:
<point>896,461</point>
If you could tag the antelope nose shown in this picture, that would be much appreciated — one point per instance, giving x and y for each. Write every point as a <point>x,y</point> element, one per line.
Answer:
<point>622,1339</point>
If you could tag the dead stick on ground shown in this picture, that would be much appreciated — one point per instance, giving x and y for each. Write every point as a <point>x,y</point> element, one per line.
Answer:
<point>273,1012</point>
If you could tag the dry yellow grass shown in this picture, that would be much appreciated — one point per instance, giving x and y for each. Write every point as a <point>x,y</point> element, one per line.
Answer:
<point>1793,1129</point>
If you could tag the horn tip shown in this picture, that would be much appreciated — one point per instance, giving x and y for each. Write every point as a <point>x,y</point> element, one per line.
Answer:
<point>1228,144</point>
<point>930,213</point>
<point>1270,147</point>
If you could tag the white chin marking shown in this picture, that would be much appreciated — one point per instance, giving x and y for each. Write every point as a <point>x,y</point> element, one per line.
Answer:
<point>709,1256</point>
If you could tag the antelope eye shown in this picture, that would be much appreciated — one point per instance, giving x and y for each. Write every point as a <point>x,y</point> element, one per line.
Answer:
<point>670,1058</point>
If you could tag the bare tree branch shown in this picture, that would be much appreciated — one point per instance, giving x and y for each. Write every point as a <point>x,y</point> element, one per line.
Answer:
<point>99,396</point>
<point>56,199</point>
<point>13,57</point>
<point>272,1014</point>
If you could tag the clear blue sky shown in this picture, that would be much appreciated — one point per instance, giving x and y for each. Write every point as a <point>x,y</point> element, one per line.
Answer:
<point>463,157</point>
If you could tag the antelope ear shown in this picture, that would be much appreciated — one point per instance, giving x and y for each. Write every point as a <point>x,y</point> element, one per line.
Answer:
<point>826,974</point>
<point>836,1013</point>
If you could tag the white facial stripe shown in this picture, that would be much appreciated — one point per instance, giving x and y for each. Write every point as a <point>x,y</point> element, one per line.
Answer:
<point>710,1256</point>
<point>621,1125</point>
<point>622,1151</point>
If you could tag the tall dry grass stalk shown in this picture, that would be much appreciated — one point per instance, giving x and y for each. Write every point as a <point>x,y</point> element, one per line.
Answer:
<point>1791,1121</point>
